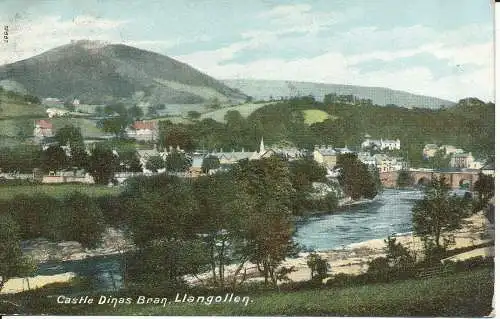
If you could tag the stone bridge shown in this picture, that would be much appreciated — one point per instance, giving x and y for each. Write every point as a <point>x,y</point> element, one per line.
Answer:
<point>456,179</point>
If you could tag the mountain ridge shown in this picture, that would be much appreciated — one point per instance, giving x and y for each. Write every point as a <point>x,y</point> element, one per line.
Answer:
<point>264,89</point>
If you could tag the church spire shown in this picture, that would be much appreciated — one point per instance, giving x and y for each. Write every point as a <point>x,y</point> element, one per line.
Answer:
<point>262,149</point>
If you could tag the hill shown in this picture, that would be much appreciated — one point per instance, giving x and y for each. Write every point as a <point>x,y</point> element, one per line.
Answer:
<point>265,89</point>
<point>97,73</point>
<point>244,109</point>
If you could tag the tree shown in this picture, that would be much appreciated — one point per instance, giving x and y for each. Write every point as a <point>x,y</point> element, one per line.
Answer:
<point>152,112</point>
<point>214,103</point>
<point>135,112</point>
<point>268,226</point>
<point>12,262</point>
<point>20,158</point>
<point>437,213</point>
<point>99,110</point>
<point>319,267</point>
<point>164,263</point>
<point>129,160</point>
<point>222,206</point>
<point>439,160</point>
<point>355,177</point>
<point>194,115</point>
<point>162,207</point>
<point>303,173</point>
<point>398,256</point>
<point>177,162</point>
<point>72,136</point>
<point>69,135</point>
<point>115,125</point>
<point>86,219</point>
<point>54,158</point>
<point>485,187</point>
<point>210,162</point>
<point>102,164</point>
<point>118,119</point>
<point>155,163</point>
<point>404,179</point>
<point>172,135</point>
<point>69,106</point>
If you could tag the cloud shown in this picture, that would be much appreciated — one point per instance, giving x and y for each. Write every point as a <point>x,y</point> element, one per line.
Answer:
<point>469,55</point>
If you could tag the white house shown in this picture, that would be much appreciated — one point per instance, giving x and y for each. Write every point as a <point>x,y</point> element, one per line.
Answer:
<point>461,160</point>
<point>381,144</point>
<point>56,112</point>
<point>143,130</point>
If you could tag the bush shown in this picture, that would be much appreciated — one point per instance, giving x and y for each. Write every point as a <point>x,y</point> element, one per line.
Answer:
<point>86,219</point>
<point>112,209</point>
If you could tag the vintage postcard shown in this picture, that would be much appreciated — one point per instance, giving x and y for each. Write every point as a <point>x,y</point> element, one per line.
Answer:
<point>247,158</point>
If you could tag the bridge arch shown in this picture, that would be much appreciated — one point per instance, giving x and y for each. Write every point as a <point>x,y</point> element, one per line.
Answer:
<point>423,181</point>
<point>465,183</point>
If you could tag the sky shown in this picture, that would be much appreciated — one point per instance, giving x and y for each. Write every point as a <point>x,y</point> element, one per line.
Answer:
<point>441,48</point>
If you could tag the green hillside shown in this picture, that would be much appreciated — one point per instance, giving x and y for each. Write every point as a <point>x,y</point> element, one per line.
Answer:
<point>16,116</point>
<point>244,109</point>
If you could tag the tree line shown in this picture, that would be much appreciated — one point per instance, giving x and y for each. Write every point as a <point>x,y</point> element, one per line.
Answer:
<point>469,125</point>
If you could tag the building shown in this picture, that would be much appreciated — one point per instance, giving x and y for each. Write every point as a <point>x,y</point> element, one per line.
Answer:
<point>385,163</point>
<point>461,160</point>
<point>56,112</point>
<point>42,130</point>
<point>229,158</point>
<point>367,159</point>
<point>429,150</point>
<point>325,155</point>
<point>143,130</point>
<point>488,169</point>
<point>381,144</point>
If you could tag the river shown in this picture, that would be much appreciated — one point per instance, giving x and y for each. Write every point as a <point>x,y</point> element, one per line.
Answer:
<point>388,213</point>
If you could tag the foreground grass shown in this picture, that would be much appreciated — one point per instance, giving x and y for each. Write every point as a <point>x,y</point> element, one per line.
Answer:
<point>8,191</point>
<point>466,294</point>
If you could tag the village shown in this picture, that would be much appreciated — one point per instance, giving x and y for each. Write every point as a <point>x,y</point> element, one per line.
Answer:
<point>382,155</point>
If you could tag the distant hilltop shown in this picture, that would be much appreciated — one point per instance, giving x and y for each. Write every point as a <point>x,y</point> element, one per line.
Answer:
<point>97,72</point>
<point>266,89</point>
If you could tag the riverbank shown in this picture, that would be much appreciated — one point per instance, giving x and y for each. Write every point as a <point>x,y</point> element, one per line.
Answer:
<point>354,258</point>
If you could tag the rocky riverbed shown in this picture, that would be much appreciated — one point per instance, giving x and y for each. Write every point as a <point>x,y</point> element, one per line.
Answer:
<point>42,250</point>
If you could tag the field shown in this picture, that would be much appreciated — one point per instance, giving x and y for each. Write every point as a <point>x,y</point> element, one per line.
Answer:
<point>16,118</point>
<point>315,116</point>
<point>87,127</point>
<point>16,109</point>
<point>465,294</point>
<point>462,294</point>
<point>244,109</point>
<point>7,191</point>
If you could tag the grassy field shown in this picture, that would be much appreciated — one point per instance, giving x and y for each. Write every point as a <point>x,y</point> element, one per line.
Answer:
<point>7,191</point>
<point>315,116</point>
<point>465,294</point>
<point>87,126</point>
<point>14,109</point>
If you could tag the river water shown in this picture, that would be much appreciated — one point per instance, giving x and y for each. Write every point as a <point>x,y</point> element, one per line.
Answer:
<point>389,213</point>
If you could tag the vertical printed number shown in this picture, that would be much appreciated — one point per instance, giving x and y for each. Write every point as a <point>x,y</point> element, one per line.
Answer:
<point>6,33</point>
